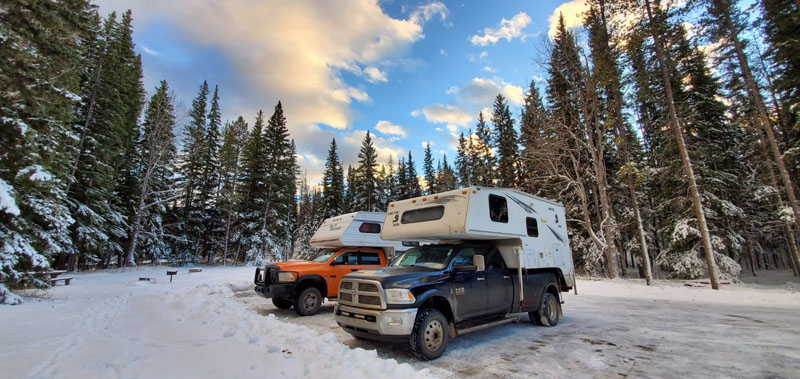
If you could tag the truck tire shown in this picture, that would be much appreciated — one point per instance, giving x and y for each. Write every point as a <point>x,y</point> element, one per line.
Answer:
<point>430,335</point>
<point>281,303</point>
<point>548,314</point>
<point>308,301</point>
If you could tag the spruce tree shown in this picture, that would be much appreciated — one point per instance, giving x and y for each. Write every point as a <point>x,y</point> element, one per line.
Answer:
<point>445,177</point>
<point>483,160</point>
<point>253,199</point>
<point>464,168</point>
<point>351,194</point>
<point>505,143</point>
<point>210,179</point>
<point>234,138</point>
<point>193,160</point>
<point>332,184</point>
<point>367,192</point>
<point>428,170</point>
<point>412,181</point>
<point>402,180</point>
<point>281,181</point>
<point>532,125</point>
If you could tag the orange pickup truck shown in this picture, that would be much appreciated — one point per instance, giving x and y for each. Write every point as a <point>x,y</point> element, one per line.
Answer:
<point>304,284</point>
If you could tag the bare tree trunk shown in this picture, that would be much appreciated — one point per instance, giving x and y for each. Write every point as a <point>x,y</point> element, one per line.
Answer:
<point>687,163</point>
<point>755,95</point>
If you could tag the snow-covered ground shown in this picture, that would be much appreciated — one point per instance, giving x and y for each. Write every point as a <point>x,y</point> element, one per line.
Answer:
<point>211,324</point>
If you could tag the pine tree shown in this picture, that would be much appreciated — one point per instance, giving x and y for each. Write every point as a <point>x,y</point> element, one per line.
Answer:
<point>367,193</point>
<point>483,160</point>
<point>412,181</point>
<point>532,124</point>
<point>157,151</point>
<point>402,180</point>
<point>281,169</point>
<point>36,118</point>
<point>193,160</point>
<point>253,199</point>
<point>445,177</point>
<point>464,166</point>
<point>234,138</point>
<point>351,194</point>
<point>332,184</point>
<point>505,143</point>
<point>428,170</point>
<point>210,179</point>
<point>390,185</point>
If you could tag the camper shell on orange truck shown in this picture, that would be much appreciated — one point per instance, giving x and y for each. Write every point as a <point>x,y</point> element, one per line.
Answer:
<point>351,242</point>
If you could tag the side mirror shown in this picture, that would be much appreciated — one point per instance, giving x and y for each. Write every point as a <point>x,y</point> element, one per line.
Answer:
<point>477,261</point>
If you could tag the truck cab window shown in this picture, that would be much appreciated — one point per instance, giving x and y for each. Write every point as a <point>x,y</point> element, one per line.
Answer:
<point>348,258</point>
<point>464,257</point>
<point>532,226</point>
<point>494,259</point>
<point>370,227</point>
<point>498,208</point>
<point>368,258</point>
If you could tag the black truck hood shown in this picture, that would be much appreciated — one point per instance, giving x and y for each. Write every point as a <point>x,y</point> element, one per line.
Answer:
<point>399,277</point>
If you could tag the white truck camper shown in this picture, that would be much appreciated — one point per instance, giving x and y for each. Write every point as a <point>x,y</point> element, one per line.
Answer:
<point>362,229</point>
<point>529,231</point>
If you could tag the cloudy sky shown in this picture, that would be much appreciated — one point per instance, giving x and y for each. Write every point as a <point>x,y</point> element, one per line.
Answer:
<point>409,72</point>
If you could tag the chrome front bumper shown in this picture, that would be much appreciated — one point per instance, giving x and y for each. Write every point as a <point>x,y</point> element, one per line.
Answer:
<point>393,322</point>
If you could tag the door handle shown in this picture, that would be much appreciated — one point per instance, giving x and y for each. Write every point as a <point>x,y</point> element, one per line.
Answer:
<point>506,277</point>
<point>481,278</point>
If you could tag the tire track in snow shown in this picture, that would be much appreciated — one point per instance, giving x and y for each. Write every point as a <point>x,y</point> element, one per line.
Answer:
<point>95,321</point>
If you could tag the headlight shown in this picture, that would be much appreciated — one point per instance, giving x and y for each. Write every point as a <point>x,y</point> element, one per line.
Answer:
<point>399,296</point>
<point>284,276</point>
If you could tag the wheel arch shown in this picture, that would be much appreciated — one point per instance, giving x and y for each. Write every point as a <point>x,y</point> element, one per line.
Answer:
<point>317,281</point>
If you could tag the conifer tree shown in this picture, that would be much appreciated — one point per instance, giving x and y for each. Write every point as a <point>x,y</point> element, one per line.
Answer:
<point>351,194</point>
<point>253,199</point>
<point>412,181</point>
<point>402,180</point>
<point>483,160</point>
<point>532,125</point>
<point>193,160</point>
<point>234,137</point>
<point>210,179</point>
<point>157,151</point>
<point>505,143</point>
<point>428,170</point>
<point>281,168</point>
<point>332,184</point>
<point>464,167</point>
<point>445,177</point>
<point>367,191</point>
<point>390,185</point>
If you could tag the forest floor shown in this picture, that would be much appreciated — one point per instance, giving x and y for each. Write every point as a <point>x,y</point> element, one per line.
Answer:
<point>211,324</point>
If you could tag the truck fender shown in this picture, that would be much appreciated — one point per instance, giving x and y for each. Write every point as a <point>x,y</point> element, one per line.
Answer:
<point>313,280</point>
<point>439,300</point>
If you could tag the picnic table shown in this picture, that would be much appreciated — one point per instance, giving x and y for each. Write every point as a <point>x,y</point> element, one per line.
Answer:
<point>54,276</point>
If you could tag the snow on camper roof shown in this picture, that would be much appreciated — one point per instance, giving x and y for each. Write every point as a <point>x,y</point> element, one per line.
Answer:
<point>358,229</point>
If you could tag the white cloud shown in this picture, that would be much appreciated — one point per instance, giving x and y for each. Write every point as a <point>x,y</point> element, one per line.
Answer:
<point>374,75</point>
<point>508,29</point>
<point>488,69</point>
<point>484,55</point>
<point>446,114</point>
<point>572,12</point>
<point>426,143</point>
<point>482,91</point>
<point>149,51</point>
<point>387,127</point>
<point>424,13</point>
<point>358,95</point>
<point>442,52</point>
<point>416,113</point>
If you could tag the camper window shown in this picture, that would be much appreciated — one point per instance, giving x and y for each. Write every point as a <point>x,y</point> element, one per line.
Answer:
<point>370,227</point>
<point>498,208</point>
<point>370,258</point>
<point>533,227</point>
<point>422,214</point>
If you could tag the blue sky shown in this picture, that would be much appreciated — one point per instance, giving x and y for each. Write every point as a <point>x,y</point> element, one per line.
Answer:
<point>409,72</point>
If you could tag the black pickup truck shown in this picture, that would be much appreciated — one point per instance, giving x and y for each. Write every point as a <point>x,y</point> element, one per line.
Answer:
<point>433,293</point>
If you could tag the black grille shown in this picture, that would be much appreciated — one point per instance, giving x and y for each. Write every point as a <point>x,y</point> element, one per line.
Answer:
<point>369,300</point>
<point>367,287</point>
<point>347,285</point>
<point>346,297</point>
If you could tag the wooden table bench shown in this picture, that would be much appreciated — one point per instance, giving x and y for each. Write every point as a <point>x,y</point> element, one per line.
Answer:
<point>191,270</point>
<point>66,280</point>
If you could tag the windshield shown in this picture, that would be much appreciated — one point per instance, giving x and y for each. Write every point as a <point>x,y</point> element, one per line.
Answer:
<point>324,256</point>
<point>430,256</point>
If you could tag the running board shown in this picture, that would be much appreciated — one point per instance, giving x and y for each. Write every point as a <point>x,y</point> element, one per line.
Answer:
<point>489,325</point>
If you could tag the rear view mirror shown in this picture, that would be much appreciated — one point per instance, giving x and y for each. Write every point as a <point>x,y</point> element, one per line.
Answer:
<point>477,261</point>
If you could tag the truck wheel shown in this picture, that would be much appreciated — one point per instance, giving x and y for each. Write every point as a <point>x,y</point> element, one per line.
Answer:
<point>307,303</point>
<point>549,313</point>
<point>430,335</point>
<point>281,303</point>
